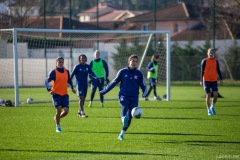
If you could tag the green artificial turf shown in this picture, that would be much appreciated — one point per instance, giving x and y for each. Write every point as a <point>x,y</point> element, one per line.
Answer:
<point>178,129</point>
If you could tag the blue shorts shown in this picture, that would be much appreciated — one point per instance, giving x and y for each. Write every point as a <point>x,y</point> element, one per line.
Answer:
<point>210,86</point>
<point>152,81</point>
<point>96,84</point>
<point>82,90</point>
<point>127,104</point>
<point>59,100</point>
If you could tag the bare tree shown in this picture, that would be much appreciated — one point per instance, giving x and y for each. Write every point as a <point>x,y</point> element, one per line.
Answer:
<point>227,18</point>
<point>19,11</point>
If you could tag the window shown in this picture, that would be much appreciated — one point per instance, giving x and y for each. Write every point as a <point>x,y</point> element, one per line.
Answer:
<point>87,18</point>
<point>84,18</point>
<point>145,27</point>
<point>175,28</point>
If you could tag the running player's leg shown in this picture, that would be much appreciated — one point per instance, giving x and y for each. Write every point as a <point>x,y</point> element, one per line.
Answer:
<point>94,86</point>
<point>100,87</point>
<point>208,96</point>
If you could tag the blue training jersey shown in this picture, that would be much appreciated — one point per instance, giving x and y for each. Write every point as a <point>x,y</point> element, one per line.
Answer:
<point>149,66</point>
<point>130,81</point>
<point>81,73</point>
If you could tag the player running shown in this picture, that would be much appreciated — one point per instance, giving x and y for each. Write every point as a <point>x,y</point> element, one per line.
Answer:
<point>130,79</point>
<point>60,98</point>
<point>81,72</point>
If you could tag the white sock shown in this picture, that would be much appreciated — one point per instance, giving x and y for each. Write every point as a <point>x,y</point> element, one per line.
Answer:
<point>122,119</point>
<point>213,104</point>
<point>82,112</point>
<point>208,108</point>
<point>122,132</point>
<point>58,125</point>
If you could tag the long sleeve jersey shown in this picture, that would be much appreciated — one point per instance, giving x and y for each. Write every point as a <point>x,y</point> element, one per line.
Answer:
<point>150,65</point>
<point>130,81</point>
<point>209,70</point>
<point>105,66</point>
<point>52,77</point>
<point>81,73</point>
<point>152,69</point>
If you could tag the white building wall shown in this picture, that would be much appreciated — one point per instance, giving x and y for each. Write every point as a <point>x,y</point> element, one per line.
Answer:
<point>33,71</point>
<point>222,46</point>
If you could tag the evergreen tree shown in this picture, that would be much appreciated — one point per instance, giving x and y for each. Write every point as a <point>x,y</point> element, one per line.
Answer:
<point>185,64</point>
<point>119,59</point>
<point>124,51</point>
<point>233,61</point>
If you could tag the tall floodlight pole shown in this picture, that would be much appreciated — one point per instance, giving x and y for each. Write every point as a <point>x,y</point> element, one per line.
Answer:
<point>97,14</point>
<point>44,21</point>
<point>70,14</point>
<point>155,25</point>
<point>44,13</point>
<point>70,27</point>
<point>213,24</point>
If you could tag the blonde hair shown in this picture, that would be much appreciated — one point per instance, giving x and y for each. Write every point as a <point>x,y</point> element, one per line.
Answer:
<point>210,50</point>
<point>97,51</point>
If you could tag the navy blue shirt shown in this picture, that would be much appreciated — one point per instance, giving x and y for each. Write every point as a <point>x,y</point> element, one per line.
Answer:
<point>150,65</point>
<point>130,81</point>
<point>81,73</point>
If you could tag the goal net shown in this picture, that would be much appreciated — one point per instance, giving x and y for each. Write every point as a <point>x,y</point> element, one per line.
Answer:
<point>28,55</point>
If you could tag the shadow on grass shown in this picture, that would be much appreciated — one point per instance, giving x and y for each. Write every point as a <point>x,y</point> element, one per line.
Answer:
<point>227,101</point>
<point>175,134</point>
<point>149,133</point>
<point>161,118</point>
<point>86,152</point>
<point>230,115</point>
<point>202,143</point>
<point>179,118</point>
<point>184,100</point>
<point>173,107</point>
<point>228,106</point>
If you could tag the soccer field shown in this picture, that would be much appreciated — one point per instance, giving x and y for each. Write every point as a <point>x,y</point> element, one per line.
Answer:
<point>179,129</point>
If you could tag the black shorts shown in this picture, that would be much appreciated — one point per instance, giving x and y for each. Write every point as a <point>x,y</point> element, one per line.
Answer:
<point>210,86</point>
